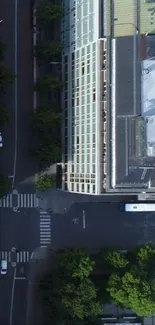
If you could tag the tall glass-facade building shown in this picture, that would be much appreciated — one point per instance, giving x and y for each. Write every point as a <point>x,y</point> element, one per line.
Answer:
<point>84,97</point>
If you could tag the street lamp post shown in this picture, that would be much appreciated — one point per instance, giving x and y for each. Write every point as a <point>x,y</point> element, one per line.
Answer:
<point>134,64</point>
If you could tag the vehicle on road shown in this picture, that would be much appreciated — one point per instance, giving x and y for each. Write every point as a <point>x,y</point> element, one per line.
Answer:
<point>3,266</point>
<point>138,207</point>
<point>1,140</point>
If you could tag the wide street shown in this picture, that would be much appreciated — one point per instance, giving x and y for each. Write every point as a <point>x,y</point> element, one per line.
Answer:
<point>17,228</point>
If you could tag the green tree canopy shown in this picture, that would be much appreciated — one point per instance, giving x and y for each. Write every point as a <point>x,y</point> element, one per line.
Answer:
<point>5,185</point>
<point>48,151</point>
<point>132,285</point>
<point>47,50</point>
<point>46,117</point>
<point>45,182</point>
<point>6,78</point>
<point>46,12</point>
<point>4,115</point>
<point>76,263</point>
<point>70,292</point>
<point>47,83</point>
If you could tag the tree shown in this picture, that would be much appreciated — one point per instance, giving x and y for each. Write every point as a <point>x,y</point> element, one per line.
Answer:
<point>6,78</point>
<point>116,259</point>
<point>133,285</point>
<point>48,51</point>
<point>47,83</point>
<point>46,117</point>
<point>76,263</point>
<point>4,115</point>
<point>80,299</point>
<point>5,185</point>
<point>70,292</point>
<point>46,12</point>
<point>45,182</point>
<point>48,151</point>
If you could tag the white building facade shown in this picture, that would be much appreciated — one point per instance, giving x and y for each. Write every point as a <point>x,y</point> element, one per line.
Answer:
<point>84,97</point>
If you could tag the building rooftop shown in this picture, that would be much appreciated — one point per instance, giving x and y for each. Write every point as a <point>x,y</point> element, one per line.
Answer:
<point>134,111</point>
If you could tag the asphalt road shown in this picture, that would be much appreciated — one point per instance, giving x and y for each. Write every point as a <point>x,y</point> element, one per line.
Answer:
<point>16,32</point>
<point>104,225</point>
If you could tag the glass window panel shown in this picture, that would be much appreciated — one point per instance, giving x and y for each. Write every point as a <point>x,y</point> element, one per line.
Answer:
<point>93,159</point>
<point>88,77</point>
<point>85,9</point>
<point>88,128</point>
<point>94,47</point>
<point>94,127</point>
<point>83,52</point>
<point>82,80</point>
<point>88,108</point>
<point>88,160</point>
<point>91,5</point>
<point>88,138</point>
<point>88,49</point>
<point>82,110</point>
<point>82,168</point>
<point>83,159</point>
<point>94,76</point>
<point>72,186</point>
<point>82,139</point>
<point>83,100</point>
<point>83,129</point>
<point>88,168</point>
<point>85,27</point>
<point>88,98</point>
<point>94,66</point>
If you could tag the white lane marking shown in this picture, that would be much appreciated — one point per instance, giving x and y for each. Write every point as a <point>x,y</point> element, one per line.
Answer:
<point>84,219</point>
<point>11,200</point>
<point>15,73</point>
<point>27,256</point>
<point>18,198</point>
<point>25,200</point>
<point>28,201</point>
<point>24,257</point>
<point>7,200</point>
<point>4,202</point>
<point>43,212</point>
<point>31,200</point>
<point>21,256</point>
<point>21,204</point>
<point>17,257</point>
<point>12,295</point>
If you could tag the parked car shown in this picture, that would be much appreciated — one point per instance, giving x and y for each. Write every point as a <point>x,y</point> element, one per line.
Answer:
<point>3,266</point>
<point>1,140</point>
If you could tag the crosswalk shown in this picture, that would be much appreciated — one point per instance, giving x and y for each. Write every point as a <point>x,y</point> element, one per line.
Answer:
<point>24,200</point>
<point>45,229</point>
<point>21,257</point>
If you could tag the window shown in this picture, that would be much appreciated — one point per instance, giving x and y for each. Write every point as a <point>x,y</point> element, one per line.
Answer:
<point>77,158</point>
<point>93,188</point>
<point>94,95</point>
<point>93,138</point>
<point>83,68</point>
<point>72,186</point>
<point>82,187</point>
<point>77,101</point>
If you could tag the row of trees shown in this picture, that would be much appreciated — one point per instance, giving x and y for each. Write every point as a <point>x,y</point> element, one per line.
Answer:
<point>78,286</point>
<point>46,118</point>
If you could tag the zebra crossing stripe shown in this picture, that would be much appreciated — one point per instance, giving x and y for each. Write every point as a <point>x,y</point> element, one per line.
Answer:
<point>9,256</point>
<point>24,257</point>
<point>24,200</point>
<point>17,257</point>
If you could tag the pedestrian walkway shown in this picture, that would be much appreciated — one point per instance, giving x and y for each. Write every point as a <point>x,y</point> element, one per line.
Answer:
<point>27,200</point>
<point>24,200</point>
<point>45,229</point>
<point>22,256</point>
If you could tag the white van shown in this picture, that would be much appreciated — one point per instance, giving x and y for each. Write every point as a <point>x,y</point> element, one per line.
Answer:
<point>3,266</point>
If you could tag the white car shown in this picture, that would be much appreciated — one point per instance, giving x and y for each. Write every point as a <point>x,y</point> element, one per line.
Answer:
<point>3,266</point>
<point>1,141</point>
